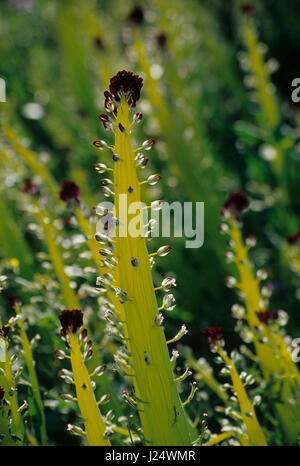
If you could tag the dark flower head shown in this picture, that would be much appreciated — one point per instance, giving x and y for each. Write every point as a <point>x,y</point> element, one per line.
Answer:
<point>136,16</point>
<point>98,43</point>
<point>294,239</point>
<point>248,8</point>
<point>124,83</point>
<point>4,331</point>
<point>14,300</point>
<point>161,40</point>
<point>71,321</point>
<point>235,203</point>
<point>267,316</point>
<point>30,188</point>
<point>69,191</point>
<point>213,335</point>
<point>2,392</point>
<point>295,108</point>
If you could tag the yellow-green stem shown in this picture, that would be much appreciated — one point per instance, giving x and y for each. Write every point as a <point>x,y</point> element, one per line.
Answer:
<point>162,416</point>
<point>273,355</point>
<point>7,382</point>
<point>256,436</point>
<point>94,424</point>
<point>68,294</point>
<point>32,376</point>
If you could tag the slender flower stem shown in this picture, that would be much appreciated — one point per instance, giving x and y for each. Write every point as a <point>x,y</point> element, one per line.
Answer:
<point>255,433</point>
<point>32,375</point>
<point>69,296</point>
<point>94,424</point>
<point>7,382</point>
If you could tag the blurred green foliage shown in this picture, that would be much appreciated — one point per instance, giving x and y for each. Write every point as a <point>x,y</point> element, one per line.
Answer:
<point>211,128</point>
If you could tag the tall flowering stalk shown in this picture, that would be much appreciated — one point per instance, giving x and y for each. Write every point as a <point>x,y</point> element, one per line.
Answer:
<point>254,435</point>
<point>28,356</point>
<point>80,350</point>
<point>263,325</point>
<point>10,416</point>
<point>161,412</point>
<point>260,71</point>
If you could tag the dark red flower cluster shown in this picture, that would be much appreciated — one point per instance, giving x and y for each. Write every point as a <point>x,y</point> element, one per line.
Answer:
<point>213,334</point>
<point>14,300</point>
<point>124,83</point>
<point>98,43</point>
<point>265,317</point>
<point>161,40</point>
<point>136,16</point>
<point>69,191</point>
<point>248,8</point>
<point>294,239</point>
<point>235,203</point>
<point>71,320</point>
<point>29,187</point>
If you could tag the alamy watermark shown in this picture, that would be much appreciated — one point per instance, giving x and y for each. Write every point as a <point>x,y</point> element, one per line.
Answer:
<point>295,96</point>
<point>295,353</point>
<point>160,219</point>
<point>2,90</point>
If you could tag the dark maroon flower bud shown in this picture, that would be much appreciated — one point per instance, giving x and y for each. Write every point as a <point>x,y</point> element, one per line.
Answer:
<point>138,117</point>
<point>235,203</point>
<point>136,16</point>
<point>248,8</point>
<point>14,300</point>
<point>30,188</point>
<point>213,335</point>
<point>71,321</point>
<point>148,144</point>
<point>69,191</point>
<point>108,103</point>
<point>161,40</point>
<point>105,182</point>
<point>294,239</point>
<point>84,334</point>
<point>89,354</point>
<point>144,161</point>
<point>105,120</point>
<point>98,43</point>
<point>265,317</point>
<point>124,83</point>
<point>100,144</point>
<point>4,331</point>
